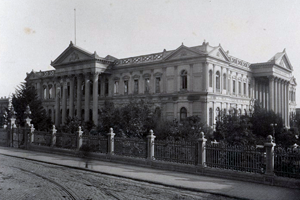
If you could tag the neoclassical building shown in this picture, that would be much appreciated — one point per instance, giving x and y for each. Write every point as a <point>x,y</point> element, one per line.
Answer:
<point>200,80</point>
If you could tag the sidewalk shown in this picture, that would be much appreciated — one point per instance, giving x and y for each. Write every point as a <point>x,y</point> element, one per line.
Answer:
<point>231,188</point>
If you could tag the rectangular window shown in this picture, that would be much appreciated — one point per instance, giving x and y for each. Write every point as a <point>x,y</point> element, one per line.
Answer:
<point>116,87</point>
<point>157,85</point>
<point>240,88</point>
<point>245,91</point>
<point>233,86</point>
<point>126,87</point>
<point>136,86</point>
<point>147,85</point>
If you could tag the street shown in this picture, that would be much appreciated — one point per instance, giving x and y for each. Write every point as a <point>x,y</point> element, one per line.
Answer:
<point>25,179</point>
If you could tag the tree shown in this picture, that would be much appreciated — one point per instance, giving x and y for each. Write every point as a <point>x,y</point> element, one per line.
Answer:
<point>26,95</point>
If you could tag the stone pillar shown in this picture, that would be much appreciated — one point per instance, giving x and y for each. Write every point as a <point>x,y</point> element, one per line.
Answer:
<point>176,88</point>
<point>79,92</point>
<point>57,104</point>
<point>71,98</point>
<point>287,104</point>
<point>111,141</point>
<point>267,96</point>
<point>226,81</point>
<point>64,101</point>
<point>32,134</point>
<point>53,131</point>
<point>95,98</point>
<point>201,160</point>
<point>271,92</point>
<point>279,96</point>
<point>214,79</point>
<point>87,97</point>
<point>79,144</point>
<point>205,77</point>
<point>190,79</point>
<point>282,98</point>
<point>276,96</point>
<point>264,95</point>
<point>150,145</point>
<point>269,145</point>
<point>247,88</point>
<point>164,80</point>
<point>221,80</point>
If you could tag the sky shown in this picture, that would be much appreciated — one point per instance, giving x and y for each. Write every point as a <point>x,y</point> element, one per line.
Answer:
<point>34,32</point>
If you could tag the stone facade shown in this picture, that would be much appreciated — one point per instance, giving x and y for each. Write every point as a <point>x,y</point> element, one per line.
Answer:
<point>201,80</point>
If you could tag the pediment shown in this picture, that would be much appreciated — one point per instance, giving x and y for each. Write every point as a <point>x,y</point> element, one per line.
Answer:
<point>181,53</point>
<point>72,54</point>
<point>282,60</point>
<point>219,53</point>
<point>293,81</point>
<point>285,63</point>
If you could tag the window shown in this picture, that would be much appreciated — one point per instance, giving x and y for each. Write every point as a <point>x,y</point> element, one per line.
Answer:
<point>210,78</point>
<point>157,85</point>
<point>233,86</point>
<point>210,117</point>
<point>136,86</point>
<point>240,88</point>
<point>224,81</point>
<point>218,81</point>
<point>183,113</point>
<point>126,87</point>
<point>50,92</point>
<point>116,87</point>
<point>45,92</point>
<point>183,79</point>
<point>106,87</point>
<point>147,85</point>
<point>245,91</point>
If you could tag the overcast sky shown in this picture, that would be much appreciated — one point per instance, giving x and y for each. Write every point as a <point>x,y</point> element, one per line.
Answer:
<point>34,32</point>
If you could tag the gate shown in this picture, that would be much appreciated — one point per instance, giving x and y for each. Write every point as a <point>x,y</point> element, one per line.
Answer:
<point>4,137</point>
<point>19,137</point>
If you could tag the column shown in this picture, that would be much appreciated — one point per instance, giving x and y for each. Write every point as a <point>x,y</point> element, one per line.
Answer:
<point>242,86</point>
<point>214,79</point>
<point>71,99</point>
<point>247,88</point>
<point>276,96</point>
<point>227,78</point>
<point>283,103</point>
<point>87,97</point>
<point>190,80</point>
<point>221,80</point>
<point>78,103</point>
<point>287,103</point>
<point>267,96</point>
<point>263,95</point>
<point>95,98</point>
<point>47,91</point>
<point>175,82</point>
<point>271,93</point>
<point>279,96</point>
<point>57,104</point>
<point>164,80</point>
<point>205,77</point>
<point>282,98</point>
<point>64,100</point>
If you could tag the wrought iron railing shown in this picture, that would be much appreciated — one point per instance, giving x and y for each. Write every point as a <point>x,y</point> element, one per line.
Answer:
<point>239,158</point>
<point>66,140</point>
<point>42,138</point>
<point>287,162</point>
<point>132,147</point>
<point>175,151</point>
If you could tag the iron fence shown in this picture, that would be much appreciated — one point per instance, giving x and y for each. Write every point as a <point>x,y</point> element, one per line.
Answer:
<point>176,151</point>
<point>66,140</point>
<point>239,158</point>
<point>133,147</point>
<point>287,162</point>
<point>42,138</point>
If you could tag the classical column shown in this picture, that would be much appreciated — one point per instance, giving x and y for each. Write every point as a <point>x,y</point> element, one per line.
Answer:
<point>205,77</point>
<point>79,92</point>
<point>87,97</point>
<point>57,104</point>
<point>71,98</point>
<point>64,100</point>
<point>276,96</point>
<point>164,80</point>
<point>242,86</point>
<point>175,79</point>
<point>267,96</point>
<point>190,80</point>
<point>279,96</point>
<point>221,80</point>
<point>287,104</point>
<point>247,88</point>
<point>282,97</point>
<point>214,79</point>
<point>263,95</point>
<point>227,78</point>
<point>283,103</point>
<point>95,97</point>
<point>271,92</point>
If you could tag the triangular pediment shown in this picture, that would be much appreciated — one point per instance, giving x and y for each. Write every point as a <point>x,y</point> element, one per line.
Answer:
<point>219,53</point>
<point>282,60</point>
<point>293,81</point>
<point>181,53</point>
<point>72,54</point>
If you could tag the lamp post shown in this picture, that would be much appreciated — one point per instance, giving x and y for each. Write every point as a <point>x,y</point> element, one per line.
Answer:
<point>273,130</point>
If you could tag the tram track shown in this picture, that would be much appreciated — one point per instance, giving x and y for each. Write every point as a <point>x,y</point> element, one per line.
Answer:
<point>65,190</point>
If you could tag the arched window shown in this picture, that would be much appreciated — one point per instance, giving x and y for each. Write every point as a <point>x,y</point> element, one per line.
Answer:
<point>210,117</point>
<point>183,113</point>
<point>45,92</point>
<point>210,78</point>
<point>224,81</point>
<point>183,79</point>
<point>218,86</point>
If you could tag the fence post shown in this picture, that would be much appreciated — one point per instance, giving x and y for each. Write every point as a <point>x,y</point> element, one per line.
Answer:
<point>111,141</point>
<point>201,158</point>
<point>269,145</point>
<point>53,142</point>
<point>32,134</point>
<point>150,145</point>
<point>79,144</point>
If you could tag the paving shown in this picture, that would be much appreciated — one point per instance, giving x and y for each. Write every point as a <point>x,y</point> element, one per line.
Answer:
<point>226,187</point>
